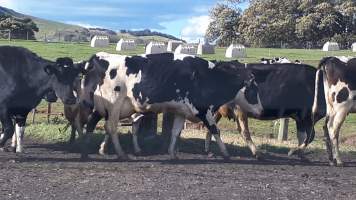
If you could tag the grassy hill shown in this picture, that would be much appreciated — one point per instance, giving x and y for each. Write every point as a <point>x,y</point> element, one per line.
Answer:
<point>53,30</point>
<point>46,27</point>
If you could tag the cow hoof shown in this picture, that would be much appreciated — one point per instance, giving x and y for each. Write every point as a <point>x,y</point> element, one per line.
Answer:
<point>339,163</point>
<point>11,149</point>
<point>227,158</point>
<point>292,152</point>
<point>259,156</point>
<point>173,157</point>
<point>84,157</point>
<point>102,152</point>
<point>138,153</point>
<point>123,158</point>
<point>210,155</point>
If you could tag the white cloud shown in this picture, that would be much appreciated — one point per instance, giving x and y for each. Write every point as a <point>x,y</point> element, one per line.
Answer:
<point>8,4</point>
<point>196,28</point>
<point>83,24</point>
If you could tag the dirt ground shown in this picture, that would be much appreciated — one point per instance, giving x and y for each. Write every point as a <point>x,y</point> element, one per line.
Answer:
<point>52,171</point>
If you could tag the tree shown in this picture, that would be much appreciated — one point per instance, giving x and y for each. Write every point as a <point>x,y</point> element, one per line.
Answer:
<point>294,23</point>
<point>21,28</point>
<point>224,25</point>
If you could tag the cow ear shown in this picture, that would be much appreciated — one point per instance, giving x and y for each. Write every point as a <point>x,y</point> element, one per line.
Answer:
<point>50,69</point>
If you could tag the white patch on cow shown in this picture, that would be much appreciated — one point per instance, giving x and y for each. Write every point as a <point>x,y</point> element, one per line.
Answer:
<point>190,105</point>
<point>182,56</point>
<point>241,100</point>
<point>344,59</point>
<point>1,136</point>
<point>86,66</point>
<point>137,116</point>
<point>177,90</point>
<point>336,89</point>
<point>65,66</point>
<point>211,65</point>
<point>210,116</point>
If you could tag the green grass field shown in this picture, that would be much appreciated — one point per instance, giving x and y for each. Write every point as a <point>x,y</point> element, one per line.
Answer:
<point>261,129</point>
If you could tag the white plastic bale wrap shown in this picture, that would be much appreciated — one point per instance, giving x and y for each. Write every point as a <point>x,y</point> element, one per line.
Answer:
<point>156,47</point>
<point>126,45</point>
<point>99,41</point>
<point>236,51</point>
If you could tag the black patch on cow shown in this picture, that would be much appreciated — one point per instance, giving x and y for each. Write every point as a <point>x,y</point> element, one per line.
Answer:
<point>354,98</point>
<point>117,88</point>
<point>113,73</point>
<point>333,96</point>
<point>251,94</point>
<point>342,95</point>
<point>96,70</point>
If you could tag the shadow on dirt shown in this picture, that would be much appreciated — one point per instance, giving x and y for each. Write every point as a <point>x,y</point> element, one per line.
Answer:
<point>191,151</point>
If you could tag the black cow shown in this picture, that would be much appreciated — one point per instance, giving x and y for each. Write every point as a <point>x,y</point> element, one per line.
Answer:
<point>286,90</point>
<point>24,79</point>
<point>187,86</point>
<point>339,77</point>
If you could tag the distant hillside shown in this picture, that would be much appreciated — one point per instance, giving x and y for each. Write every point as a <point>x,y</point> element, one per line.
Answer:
<point>46,27</point>
<point>54,31</point>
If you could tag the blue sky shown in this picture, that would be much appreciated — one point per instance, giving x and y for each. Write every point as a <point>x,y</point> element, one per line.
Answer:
<point>182,18</point>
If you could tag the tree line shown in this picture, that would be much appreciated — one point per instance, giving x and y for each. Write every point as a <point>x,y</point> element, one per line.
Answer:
<point>20,28</point>
<point>284,23</point>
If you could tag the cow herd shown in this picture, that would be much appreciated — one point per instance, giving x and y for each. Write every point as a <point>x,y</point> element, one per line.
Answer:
<point>114,87</point>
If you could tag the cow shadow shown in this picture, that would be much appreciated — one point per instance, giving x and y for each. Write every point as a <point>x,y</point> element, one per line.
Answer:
<point>194,147</point>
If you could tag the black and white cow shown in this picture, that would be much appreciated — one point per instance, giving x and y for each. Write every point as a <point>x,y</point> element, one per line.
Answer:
<point>286,90</point>
<point>278,60</point>
<point>187,86</point>
<point>338,76</point>
<point>24,79</point>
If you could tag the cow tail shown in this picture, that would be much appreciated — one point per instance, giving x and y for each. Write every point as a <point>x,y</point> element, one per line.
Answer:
<point>318,78</point>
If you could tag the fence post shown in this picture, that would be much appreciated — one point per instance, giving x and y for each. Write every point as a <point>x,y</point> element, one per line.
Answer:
<point>283,129</point>
<point>33,115</point>
<point>9,35</point>
<point>48,112</point>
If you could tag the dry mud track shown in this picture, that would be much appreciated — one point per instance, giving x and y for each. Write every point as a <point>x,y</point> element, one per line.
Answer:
<point>49,171</point>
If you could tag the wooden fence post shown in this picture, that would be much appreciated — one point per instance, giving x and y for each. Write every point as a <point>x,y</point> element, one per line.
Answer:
<point>49,112</point>
<point>33,115</point>
<point>283,129</point>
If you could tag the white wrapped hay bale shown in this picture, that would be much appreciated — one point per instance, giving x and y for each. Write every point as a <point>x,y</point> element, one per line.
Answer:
<point>172,45</point>
<point>189,49</point>
<point>205,48</point>
<point>125,45</point>
<point>331,46</point>
<point>236,51</point>
<point>353,47</point>
<point>99,41</point>
<point>156,47</point>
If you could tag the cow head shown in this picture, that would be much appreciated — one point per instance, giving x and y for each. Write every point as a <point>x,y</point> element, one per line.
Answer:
<point>51,96</point>
<point>95,70</point>
<point>247,97</point>
<point>64,73</point>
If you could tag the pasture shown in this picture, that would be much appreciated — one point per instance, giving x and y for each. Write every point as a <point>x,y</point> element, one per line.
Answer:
<point>50,162</point>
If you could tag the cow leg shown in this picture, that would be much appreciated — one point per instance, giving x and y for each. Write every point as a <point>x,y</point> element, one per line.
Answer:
<point>111,128</point>
<point>301,136</point>
<point>72,134</point>
<point>178,124</point>
<point>245,132</point>
<point>104,145</point>
<point>303,133</point>
<point>334,130</point>
<point>13,142</point>
<point>20,131</point>
<point>135,129</point>
<point>93,119</point>
<point>217,118</point>
<point>210,123</point>
<point>328,141</point>
<point>8,127</point>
